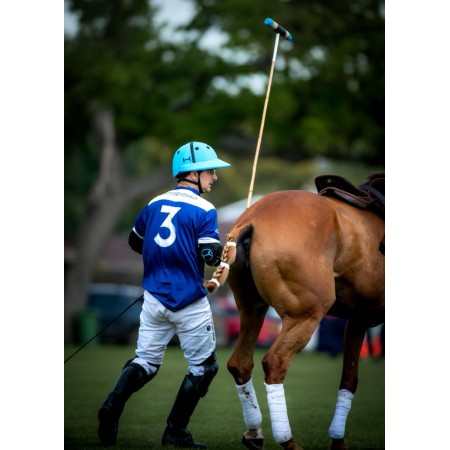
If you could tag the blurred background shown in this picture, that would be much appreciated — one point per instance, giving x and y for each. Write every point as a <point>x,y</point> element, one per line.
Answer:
<point>143,77</point>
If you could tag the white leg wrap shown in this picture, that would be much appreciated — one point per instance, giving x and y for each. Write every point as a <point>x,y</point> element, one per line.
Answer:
<point>250,407</point>
<point>281,429</point>
<point>343,405</point>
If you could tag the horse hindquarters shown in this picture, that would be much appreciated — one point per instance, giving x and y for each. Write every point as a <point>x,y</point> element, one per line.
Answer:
<point>252,310</point>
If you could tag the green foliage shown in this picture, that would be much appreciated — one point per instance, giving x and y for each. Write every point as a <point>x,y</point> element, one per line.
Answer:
<point>81,171</point>
<point>327,96</point>
<point>311,389</point>
<point>333,72</point>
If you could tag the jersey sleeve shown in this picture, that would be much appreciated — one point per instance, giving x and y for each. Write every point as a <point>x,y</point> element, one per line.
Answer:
<point>140,224</point>
<point>209,229</point>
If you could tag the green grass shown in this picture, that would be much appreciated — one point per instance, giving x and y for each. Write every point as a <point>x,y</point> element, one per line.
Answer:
<point>310,386</point>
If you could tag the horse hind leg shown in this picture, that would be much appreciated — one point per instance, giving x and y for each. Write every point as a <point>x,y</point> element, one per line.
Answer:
<point>292,339</point>
<point>240,366</point>
<point>252,310</point>
<point>354,337</point>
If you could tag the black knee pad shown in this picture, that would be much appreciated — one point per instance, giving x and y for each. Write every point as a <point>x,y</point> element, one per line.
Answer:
<point>201,383</point>
<point>145,377</point>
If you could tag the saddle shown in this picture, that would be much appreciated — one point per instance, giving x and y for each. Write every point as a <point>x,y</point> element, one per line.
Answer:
<point>368,195</point>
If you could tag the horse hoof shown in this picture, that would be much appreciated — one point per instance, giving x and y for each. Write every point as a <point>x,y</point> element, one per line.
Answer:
<point>291,445</point>
<point>253,443</point>
<point>338,444</point>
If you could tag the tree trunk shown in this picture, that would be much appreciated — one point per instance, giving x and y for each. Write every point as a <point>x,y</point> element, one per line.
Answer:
<point>109,197</point>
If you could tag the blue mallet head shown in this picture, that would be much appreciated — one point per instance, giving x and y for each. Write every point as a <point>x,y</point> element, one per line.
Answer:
<point>278,28</point>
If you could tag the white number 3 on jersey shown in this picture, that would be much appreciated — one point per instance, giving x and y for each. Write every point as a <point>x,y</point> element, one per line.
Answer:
<point>171,210</point>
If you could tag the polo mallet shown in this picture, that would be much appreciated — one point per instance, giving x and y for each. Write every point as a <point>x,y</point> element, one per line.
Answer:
<point>278,29</point>
<point>104,328</point>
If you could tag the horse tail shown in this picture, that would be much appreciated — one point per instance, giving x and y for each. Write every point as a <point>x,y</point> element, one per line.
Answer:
<point>227,259</point>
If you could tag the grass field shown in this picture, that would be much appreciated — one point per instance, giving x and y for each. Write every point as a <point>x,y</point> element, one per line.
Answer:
<point>310,386</point>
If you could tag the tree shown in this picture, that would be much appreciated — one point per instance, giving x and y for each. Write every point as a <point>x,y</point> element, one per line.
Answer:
<point>104,77</point>
<point>112,192</point>
<point>328,92</point>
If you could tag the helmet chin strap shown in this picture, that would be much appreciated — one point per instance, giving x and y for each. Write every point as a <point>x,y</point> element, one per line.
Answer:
<point>197,183</point>
<point>200,189</point>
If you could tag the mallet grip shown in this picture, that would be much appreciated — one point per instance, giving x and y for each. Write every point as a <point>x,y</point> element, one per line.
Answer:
<point>278,28</point>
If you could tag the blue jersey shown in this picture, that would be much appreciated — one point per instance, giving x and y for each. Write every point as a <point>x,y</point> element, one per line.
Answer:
<point>172,226</point>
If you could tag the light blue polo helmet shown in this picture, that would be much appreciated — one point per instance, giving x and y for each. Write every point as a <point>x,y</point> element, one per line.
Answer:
<point>195,156</point>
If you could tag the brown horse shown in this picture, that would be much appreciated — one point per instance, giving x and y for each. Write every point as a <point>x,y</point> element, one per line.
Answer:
<point>306,255</point>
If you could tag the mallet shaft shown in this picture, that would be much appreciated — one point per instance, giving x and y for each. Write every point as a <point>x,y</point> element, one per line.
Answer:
<point>279,30</point>
<point>263,119</point>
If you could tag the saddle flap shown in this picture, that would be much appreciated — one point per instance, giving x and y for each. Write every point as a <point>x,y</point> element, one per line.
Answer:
<point>347,197</point>
<point>369,195</point>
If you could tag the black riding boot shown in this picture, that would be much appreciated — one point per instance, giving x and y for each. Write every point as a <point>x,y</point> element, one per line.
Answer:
<point>192,389</point>
<point>176,434</point>
<point>132,378</point>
